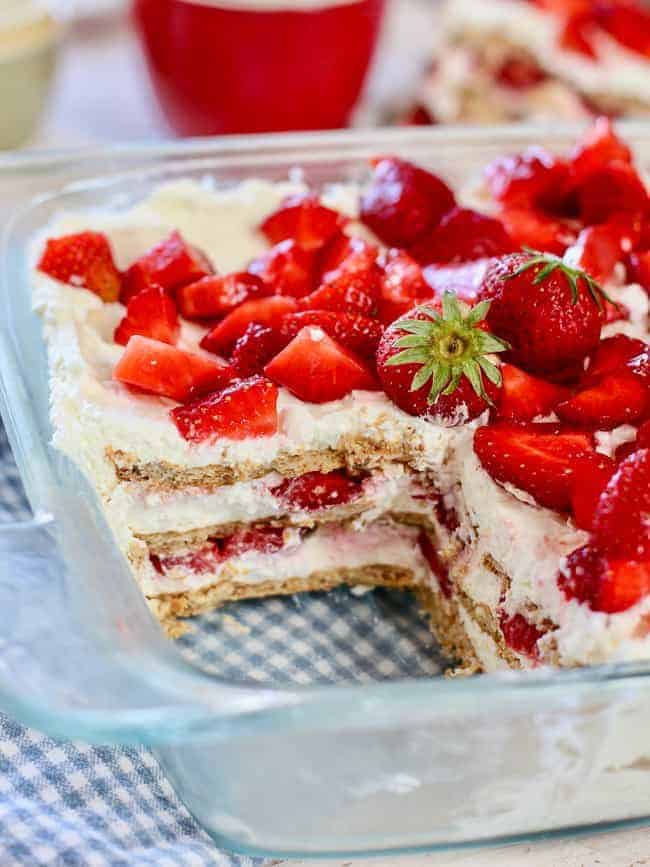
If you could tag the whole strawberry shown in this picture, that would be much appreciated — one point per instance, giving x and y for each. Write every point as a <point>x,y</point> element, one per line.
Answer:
<point>433,363</point>
<point>550,314</point>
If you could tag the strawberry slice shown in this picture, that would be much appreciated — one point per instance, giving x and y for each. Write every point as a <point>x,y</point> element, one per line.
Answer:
<point>523,397</point>
<point>265,311</point>
<point>534,178</point>
<point>610,354</point>
<point>520,73</point>
<point>628,23</point>
<point>598,147</point>
<point>532,228</point>
<point>347,253</point>
<point>463,280</point>
<point>607,585</point>
<point>257,346</point>
<point>576,34</point>
<point>536,458</point>
<point>264,540</point>
<point>402,286</point>
<point>439,569</point>
<point>611,190</point>
<point>590,476</point>
<point>318,369</point>
<point>246,408</point>
<point>302,218</point>
<point>157,368</point>
<point>287,269</point>
<point>639,268</point>
<point>619,397</point>
<point>215,296</point>
<point>171,264</point>
<point>317,490</point>
<point>463,235</point>
<point>601,248</point>
<point>403,202</point>
<point>520,634</point>
<point>355,332</point>
<point>350,291</point>
<point>151,313</point>
<point>621,521</point>
<point>83,260</point>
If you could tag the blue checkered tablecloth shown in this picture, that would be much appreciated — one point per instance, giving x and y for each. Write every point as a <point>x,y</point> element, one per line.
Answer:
<point>69,803</point>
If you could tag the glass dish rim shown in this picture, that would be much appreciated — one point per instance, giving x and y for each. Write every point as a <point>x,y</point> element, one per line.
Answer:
<point>277,706</point>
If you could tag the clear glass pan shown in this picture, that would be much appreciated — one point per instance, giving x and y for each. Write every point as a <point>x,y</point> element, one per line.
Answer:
<point>273,769</point>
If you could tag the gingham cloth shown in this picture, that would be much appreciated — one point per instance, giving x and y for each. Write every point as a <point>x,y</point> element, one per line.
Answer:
<point>69,803</point>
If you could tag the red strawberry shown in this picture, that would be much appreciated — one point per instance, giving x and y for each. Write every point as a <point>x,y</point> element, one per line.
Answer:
<point>403,202</point>
<point>581,575</point>
<point>533,178</point>
<point>532,228</point>
<point>462,236</point>
<point>589,477</point>
<point>246,408</point>
<point>628,23</point>
<point>151,313</point>
<point>520,73</point>
<point>604,584</point>
<point>601,248</point>
<point>520,634</point>
<point>598,147</point>
<point>318,369</point>
<point>201,561</point>
<point>434,365</point>
<point>610,354</point>
<point>257,345</point>
<point>463,280</point>
<point>619,397</point>
<point>523,397</point>
<point>639,268</point>
<point>215,296</point>
<point>347,253</point>
<point>83,260</point>
<point>576,34</point>
<point>348,292</point>
<point>439,569</point>
<point>355,332</point>
<point>402,286</point>
<point>537,458</point>
<point>317,490</point>
<point>264,540</point>
<point>287,269</point>
<point>265,311</point>
<point>549,313</point>
<point>611,190</point>
<point>158,368</point>
<point>641,441</point>
<point>621,526</point>
<point>171,264</point>
<point>302,218</point>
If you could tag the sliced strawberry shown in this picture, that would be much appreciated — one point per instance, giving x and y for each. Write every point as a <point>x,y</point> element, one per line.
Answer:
<point>614,189</point>
<point>607,585</point>
<point>403,202</point>
<point>171,264</point>
<point>246,408</point>
<point>151,313</point>
<point>439,569</point>
<point>347,292</point>
<point>402,286</point>
<point>264,540</point>
<point>628,23</point>
<point>536,458</point>
<point>619,397</point>
<point>590,475</point>
<point>355,332</point>
<point>302,218</point>
<point>345,253</point>
<point>598,147</point>
<point>641,441</point>
<point>84,260</point>
<point>463,235</point>
<point>157,368</point>
<point>316,490</point>
<point>463,280</point>
<point>215,296</point>
<point>621,526</point>
<point>257,346</point>
<point>523,397</point>
<point>532,228</point>
<point>534,178</point>
<point>576,34</point>
<point>201,561</point>
<point>520,73</point>
<point>639,268</point>
<point>600,250</point>
<point>581,575</point>
<point>520,634</point>
<point>265,311</point>
<point>610,354</point>
<point>287,269</point>
<point>318,369</point>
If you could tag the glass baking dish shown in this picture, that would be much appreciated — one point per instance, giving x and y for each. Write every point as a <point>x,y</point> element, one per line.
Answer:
<point>274,767</point>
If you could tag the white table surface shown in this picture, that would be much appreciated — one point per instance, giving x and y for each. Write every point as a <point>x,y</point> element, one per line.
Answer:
<point>101,94</point>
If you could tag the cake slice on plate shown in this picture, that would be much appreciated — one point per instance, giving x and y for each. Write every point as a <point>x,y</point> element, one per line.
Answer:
<point>276,391</point>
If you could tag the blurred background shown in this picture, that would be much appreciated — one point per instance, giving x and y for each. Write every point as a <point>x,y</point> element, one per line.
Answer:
<point>75,72</point>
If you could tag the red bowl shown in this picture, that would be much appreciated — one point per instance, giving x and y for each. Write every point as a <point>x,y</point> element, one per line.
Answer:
<point>238,69</point>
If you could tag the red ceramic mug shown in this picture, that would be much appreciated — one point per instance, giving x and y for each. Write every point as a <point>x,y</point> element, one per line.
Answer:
<point>239,66</point>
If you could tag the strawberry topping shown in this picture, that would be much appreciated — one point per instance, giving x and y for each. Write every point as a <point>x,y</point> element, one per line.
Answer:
<point>604,584</point>
<point>257,346</point>
<point>524,397</point>
<point>402,286</point>
<point>534,178</point>
<point>590,475</point>
<point>151,313</point>
<point>621,525</point>
<point>462,236</point>
<point>215,296</point>
<point>302,218</point>
<point>171,264</point>
<point>355,332</point>
<point>348,291</point>
<point>287,269</point>
<point>83,260</point>
<point>265,311</point>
